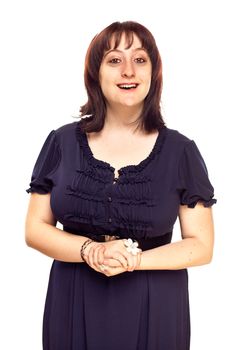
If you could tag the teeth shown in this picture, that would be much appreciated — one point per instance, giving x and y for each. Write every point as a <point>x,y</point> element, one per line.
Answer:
<point>126,86</point>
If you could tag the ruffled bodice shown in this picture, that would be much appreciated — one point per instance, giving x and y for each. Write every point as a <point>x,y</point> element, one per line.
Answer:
<point>129,169</point>
<point>142,202</point>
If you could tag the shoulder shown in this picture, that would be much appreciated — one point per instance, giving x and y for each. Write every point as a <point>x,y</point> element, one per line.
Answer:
<point>177,139</point>
<point>65,134</point>
<point>176,136</point>
<point>66,129</point>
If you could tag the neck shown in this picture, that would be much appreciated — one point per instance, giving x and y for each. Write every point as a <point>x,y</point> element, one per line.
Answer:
<point>122,117</point>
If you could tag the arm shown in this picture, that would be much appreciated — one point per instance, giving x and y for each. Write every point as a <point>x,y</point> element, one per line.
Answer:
<point>196,247</point>
<point>41,233</point>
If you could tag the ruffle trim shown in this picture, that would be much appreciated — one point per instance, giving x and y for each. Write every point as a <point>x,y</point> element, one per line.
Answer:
<point>206,203</point>
<point>82,195</point>
<point>89,184</point>
<point>133,229</point>
<point>83,142</point>
<point>38,188</point>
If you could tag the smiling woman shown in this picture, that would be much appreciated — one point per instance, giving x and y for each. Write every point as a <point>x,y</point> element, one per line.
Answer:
<point>117,180</point>
<point>127,54</point>
<point>127,68</point>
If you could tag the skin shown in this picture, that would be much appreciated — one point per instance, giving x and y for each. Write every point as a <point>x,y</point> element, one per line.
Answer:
<point>123,106</point>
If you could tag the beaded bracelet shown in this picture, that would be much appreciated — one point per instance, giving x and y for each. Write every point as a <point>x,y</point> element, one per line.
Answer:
<point>84,246</point>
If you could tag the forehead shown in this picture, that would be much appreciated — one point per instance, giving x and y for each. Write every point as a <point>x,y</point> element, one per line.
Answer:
<point>124,41</point>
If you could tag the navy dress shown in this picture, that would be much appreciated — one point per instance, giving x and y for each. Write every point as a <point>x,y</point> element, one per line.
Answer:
<point>139,310</point>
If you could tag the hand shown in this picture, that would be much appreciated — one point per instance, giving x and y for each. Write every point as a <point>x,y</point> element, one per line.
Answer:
<point>113,254</point>
<point>113,267</point>
<point>93,255</point>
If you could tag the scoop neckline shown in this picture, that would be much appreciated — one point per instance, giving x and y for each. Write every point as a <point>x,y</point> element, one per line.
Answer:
<point>83,141</point>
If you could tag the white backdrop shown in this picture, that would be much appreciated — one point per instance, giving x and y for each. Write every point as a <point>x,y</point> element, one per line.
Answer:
<point>43,44</point>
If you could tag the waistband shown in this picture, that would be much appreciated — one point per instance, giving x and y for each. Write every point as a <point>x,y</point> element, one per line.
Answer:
<point>143,243</point>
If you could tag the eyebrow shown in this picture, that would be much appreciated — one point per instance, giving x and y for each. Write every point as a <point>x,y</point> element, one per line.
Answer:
<point>120,51</point>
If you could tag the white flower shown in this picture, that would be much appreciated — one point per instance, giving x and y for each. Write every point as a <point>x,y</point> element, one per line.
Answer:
<point>132,246</point>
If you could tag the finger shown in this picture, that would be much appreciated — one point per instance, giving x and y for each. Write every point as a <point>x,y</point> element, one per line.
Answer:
<point>95,255</point>
<point>130,261</point>
<point>121,259</point>
<point>98,259</point>
<point>112,271</point>
<point>100,256</point>
<point>136,259</point>
<point>94,260</point>
<point>112,263</point>
<point>90,257</point>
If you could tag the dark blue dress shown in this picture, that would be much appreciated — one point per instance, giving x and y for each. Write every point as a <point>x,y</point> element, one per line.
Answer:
<point>139,310</point>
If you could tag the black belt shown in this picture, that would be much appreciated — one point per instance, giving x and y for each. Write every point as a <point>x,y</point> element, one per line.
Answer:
<point>144,243</point>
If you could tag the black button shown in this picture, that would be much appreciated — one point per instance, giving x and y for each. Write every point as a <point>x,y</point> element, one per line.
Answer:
<point>115,179</point>
<point>109,199</point>
<point>109,220</point>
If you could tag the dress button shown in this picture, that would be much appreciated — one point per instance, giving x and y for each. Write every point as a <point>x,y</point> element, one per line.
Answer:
<point>109,220</point>
<point>109,199</point>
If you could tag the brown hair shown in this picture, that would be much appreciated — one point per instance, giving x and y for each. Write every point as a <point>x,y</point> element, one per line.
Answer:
<point>150,118</point>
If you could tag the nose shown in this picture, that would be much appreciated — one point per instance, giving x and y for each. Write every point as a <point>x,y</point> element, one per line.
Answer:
<point>128,70</point>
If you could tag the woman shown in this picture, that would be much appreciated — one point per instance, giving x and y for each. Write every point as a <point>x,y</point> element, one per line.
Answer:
<point>117,180</point>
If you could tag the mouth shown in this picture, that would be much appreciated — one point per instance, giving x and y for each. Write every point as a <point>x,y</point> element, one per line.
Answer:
<point>129,86</point>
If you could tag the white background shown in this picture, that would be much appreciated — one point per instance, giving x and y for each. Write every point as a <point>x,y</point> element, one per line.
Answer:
<point>43,44</point>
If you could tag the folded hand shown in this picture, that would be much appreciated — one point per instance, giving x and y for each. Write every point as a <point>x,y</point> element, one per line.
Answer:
<point>111,258</point>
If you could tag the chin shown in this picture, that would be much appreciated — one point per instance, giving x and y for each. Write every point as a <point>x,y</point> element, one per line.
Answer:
<point>132,103</point>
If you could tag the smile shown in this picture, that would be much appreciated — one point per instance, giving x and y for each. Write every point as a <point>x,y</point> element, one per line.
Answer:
<point>127,86</point>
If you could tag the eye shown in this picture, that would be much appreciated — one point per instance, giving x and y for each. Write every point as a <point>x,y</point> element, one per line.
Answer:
<point>140,60</point>
<point>114,60</point>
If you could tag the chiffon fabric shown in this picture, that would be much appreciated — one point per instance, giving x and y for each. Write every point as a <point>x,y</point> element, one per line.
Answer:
<point>139,310</point>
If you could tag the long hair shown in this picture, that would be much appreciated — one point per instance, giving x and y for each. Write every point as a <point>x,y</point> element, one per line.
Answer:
<point>95,108</point>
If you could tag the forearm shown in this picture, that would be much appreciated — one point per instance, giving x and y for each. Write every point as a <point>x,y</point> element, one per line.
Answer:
<point>53,242</point>
<point>177,255</point>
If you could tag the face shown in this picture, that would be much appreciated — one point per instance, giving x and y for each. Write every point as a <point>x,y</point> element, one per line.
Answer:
<point>125,74</point>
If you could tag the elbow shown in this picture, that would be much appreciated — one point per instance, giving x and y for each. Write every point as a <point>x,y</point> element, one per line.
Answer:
<point>30,234</point>
<point>28,239</point>
<point>204,253</point>
<point>207,256</point>
<point>207,260</point>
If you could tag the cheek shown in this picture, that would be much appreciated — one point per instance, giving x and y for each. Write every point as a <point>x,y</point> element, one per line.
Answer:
<point>105,85</point>
<point>146,76</point>
<point>102,80</point>
<point>147,81</point>
<point>104,77</point>
<point>149,75</point>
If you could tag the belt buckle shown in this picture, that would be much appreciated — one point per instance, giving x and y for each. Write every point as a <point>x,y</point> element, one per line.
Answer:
<point>109,238</point>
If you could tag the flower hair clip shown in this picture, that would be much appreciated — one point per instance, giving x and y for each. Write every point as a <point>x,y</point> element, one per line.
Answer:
<point>132,246</point>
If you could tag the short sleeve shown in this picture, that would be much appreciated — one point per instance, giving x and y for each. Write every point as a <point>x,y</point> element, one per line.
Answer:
<point>194,184</point>
<point>46,164</point>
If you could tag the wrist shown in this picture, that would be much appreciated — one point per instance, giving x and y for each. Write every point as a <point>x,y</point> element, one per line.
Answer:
<point>86,243</point>
<point>139,266</point>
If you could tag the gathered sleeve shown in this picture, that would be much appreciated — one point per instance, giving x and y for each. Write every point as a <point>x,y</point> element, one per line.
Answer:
<point>46,164</point>
<point>193,181</point>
